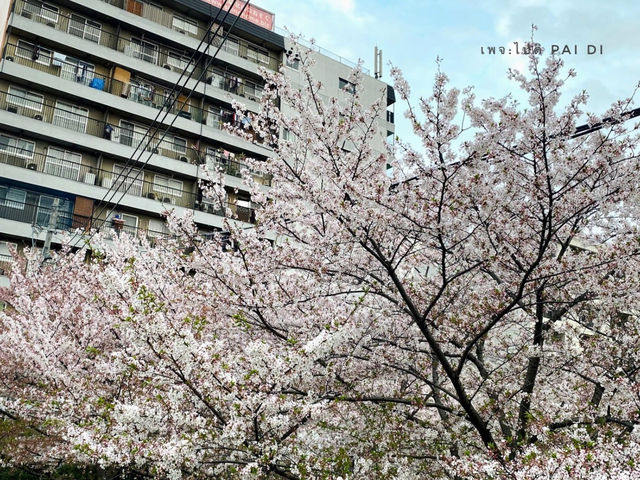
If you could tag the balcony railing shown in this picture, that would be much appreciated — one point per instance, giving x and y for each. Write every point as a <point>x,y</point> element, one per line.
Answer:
<point>122,183</point>
<point>137,91</point>
<point>65,117</point>
<point>234,45</point>
<point>92,175</point>
<point>152,52</point>
<point>6,261</point>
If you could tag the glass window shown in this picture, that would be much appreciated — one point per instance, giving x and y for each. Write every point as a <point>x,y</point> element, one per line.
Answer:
<point>184,25</point>
<point>84,28</point>
<point>347,86</point>
<point>179,62</point>
<point>133,135</point>
<point>33,52</point>
<point>17,146</point>
<point>77,71</point>
<point>174,144</point>
<point>70,116</point>
<point>25,98</point>
<point>167,185</point>
<point>63,163</point>
<point>143,50</point>
<point>232,46</point>
<point>127,180</point>
<point>130,224</point>
<point>12,197</point>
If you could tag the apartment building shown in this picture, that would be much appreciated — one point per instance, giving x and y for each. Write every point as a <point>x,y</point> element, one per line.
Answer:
<point>81,82</point>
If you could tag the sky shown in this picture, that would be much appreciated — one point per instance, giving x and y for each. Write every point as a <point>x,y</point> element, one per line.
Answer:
<point>414,33</point>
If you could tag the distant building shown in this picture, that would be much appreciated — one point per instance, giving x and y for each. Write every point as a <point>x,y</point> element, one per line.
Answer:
<point>82,80</point>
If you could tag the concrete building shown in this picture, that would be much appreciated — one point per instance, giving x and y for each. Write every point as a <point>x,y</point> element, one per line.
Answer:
<point>81,81</point>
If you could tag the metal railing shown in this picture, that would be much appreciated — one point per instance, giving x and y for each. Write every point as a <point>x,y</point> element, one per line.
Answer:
<point>128,182</point>
<point>327,53</point>
<point>140,92</point>
<point>152,52</point>
<point>234,45</point>
<point>92,175</point>
<point>6,261</point>
<point>61,115</point>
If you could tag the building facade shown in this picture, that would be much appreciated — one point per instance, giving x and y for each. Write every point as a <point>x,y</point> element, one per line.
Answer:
<point>81,82</point>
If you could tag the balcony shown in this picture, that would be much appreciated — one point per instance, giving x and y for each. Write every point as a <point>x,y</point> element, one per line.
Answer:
<point>123,181</point>
<point>234,45</point>
<point>152,52</point>
<point>6,261</point>
<point>92,175</point>
<point>72,118</point>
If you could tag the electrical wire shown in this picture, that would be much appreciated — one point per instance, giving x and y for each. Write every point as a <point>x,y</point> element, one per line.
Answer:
<point>173,96</point>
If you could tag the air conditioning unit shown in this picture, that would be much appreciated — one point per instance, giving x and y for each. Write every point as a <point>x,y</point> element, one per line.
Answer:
<point>9,59</point>
<point>12,109</point>
<point>184,159</point>
<point>37,116</point>
<point>167,66</point>
<point>168,200</point>
<point>26,14</point>
<point>51,24</point>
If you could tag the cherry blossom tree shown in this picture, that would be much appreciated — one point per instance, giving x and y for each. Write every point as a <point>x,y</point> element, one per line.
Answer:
<point>471,315</point>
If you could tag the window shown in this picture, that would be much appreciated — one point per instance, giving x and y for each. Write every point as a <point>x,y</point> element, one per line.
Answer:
<point>45,206</point>
<point>16,146</point>
<point>133,135</point>
<point>258,55</point>
<point>70,116</point>
<point>12,197</point>
<point>286,134</point>
<point>25,98</point>
<point>63,163</point>
<point>293,61</point>
<point>84,28</point>
<point>157,228</point>
<point>33,52</point>
<point>40,11</point>
<point>130,224</point>
<point>168,186</point>
<point>232,46</point>
<point>347,86</point>
<point>128,180</point>
<point>184,25</point>
<point>174,144</point>
<point>179,62</point>
<point>77,71</point>
<point>143,50</point>
<point>141,92</point>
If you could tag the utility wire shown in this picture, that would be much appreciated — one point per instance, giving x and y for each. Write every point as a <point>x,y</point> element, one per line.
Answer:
<point>148,137</point>
<point>174,98</point>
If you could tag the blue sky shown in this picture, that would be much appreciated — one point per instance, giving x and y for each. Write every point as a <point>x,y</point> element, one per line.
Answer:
<point>413,33</point>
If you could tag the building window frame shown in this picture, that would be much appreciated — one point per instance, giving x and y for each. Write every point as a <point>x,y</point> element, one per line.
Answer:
<point>167,185</point>
<point>16,149</point>
<point>34,52</point>
<point>89,28</point>
<point>184,25</point>
<point>22,99</point>
<point>63,163</point>
<point>12,197</point>
<point>70,117</point>
<point>39,8</point>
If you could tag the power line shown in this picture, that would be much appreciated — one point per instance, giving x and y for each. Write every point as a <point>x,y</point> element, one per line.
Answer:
<point>174,98</point>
